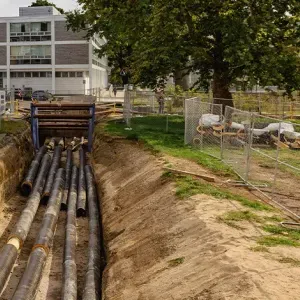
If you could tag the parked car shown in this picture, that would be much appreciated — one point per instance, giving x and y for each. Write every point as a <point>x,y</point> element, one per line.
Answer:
<point>41,96</point>
<point>18,94</point>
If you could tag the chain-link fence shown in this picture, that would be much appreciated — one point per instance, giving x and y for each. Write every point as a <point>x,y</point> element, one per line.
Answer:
<point>236,140</point>
<point>203,126</point>
<point>276,107</point>
<point>263,151</point>
<point>147,103</point>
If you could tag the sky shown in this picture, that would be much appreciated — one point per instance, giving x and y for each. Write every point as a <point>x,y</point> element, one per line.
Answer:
<point>10,8</point>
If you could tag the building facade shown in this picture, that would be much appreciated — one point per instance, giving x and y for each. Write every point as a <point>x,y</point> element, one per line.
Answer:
<point>37,52</point>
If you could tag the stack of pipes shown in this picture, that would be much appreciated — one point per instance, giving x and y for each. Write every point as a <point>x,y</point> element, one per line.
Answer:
<point>69,189</point>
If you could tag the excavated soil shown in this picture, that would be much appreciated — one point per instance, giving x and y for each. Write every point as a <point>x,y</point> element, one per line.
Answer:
<point>161,248</point>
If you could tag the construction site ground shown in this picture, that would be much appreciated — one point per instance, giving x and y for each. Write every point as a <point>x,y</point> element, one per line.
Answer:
<point>165,245</point>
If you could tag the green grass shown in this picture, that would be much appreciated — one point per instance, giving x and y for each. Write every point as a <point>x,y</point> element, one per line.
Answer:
<point>245,215</point>
<point>231,218</point>
<point>272,241</point>
<point>230,223</point>
<point>187,186</point>
<point>273,218</point>
<point>280,236</point>
<point>260,249</point>
<point>12,127</point>
<point>290,260</point>
<point>278,230</point>
<point>176,262</point>
<point>152,131</point>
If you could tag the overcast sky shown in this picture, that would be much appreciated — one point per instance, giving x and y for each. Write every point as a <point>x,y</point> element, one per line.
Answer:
<point>9,8</point>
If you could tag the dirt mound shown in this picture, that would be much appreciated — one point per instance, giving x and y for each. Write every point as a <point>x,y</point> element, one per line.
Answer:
<point>160,247</point>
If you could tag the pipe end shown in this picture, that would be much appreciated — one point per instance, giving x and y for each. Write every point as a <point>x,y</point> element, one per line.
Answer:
<point>80,212</point>
<point>26,188</point>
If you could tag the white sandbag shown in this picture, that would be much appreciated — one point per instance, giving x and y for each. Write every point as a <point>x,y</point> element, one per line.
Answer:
<point>259,132</point>
<point>292,135</point>
<point>208,120</point>
<point>283,126</point>
<point>237,126</point>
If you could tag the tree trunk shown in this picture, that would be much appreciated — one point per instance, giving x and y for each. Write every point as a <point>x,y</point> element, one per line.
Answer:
<point>221,91</point>
<point>221,76</point>
<point>181,79</point>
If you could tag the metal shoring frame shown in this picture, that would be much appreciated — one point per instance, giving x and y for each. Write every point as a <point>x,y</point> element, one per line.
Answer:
<point>91,128</point>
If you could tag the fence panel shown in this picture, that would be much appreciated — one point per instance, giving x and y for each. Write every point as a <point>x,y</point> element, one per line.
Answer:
<point>127,115</point>
<point>237,140</point>
<point>265,148</point>
<point>192,117</point>
<point>288,173</point>
<point>203,122</point>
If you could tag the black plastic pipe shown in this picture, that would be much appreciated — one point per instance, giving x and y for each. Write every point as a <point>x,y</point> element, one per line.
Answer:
<point>69,165</point>
<point>81,197</point>
<point>28,285</point>
<point>27,184</point>
<point>92,288</point>
<point>9,252</point>
<point>53,169</point>
<point>69,290</point>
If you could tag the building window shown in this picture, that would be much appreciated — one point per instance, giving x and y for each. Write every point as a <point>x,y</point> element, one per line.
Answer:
<point>13,74</point>
<point>31,32</point>
<point>70,74</point>
<point>49,74</point>
<point>35,74</point>
<point>43,74</point>
<point>27,74</point>
<point>21,55</point>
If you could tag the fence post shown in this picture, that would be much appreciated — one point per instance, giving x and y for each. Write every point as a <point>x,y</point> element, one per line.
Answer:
<point>249,137</point>
<point>277,161</point>
<point>12,101</point>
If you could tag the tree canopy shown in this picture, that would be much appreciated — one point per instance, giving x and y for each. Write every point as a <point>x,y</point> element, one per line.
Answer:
<point>222,41</point>
<point>46,3</point>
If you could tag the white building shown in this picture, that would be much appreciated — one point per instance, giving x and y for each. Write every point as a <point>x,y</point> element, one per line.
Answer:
<point>37,52</point>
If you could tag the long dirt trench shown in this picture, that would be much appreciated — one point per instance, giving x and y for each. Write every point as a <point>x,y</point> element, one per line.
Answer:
<point>157,246</point>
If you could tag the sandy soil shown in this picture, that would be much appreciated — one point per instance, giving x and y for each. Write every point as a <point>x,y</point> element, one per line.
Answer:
<point>160,247</point>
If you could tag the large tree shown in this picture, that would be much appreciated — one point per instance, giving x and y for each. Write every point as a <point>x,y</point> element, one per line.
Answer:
<point>222,41</point>
<point>46,3</point>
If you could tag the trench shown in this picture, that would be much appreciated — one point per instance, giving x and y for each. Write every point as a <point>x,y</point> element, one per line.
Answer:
<point>12,204</point>
<point>157,247</point>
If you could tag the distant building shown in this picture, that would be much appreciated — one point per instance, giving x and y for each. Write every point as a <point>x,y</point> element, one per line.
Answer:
<point>37,52</point>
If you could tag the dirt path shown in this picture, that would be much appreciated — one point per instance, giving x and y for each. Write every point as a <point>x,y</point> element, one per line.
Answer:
<point>160,247</point>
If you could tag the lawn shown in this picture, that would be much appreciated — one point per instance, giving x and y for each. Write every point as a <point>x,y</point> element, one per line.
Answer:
<point>153,132</point>
<point>12,127</point>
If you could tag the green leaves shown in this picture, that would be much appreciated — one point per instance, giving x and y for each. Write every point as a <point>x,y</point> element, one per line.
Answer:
<point>220,40</point>
<point>46,3</point>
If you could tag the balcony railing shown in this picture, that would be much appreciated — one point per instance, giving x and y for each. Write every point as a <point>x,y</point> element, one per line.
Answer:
<point>30,60</point>
<point>35,36</point>
<point>30,33</point>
